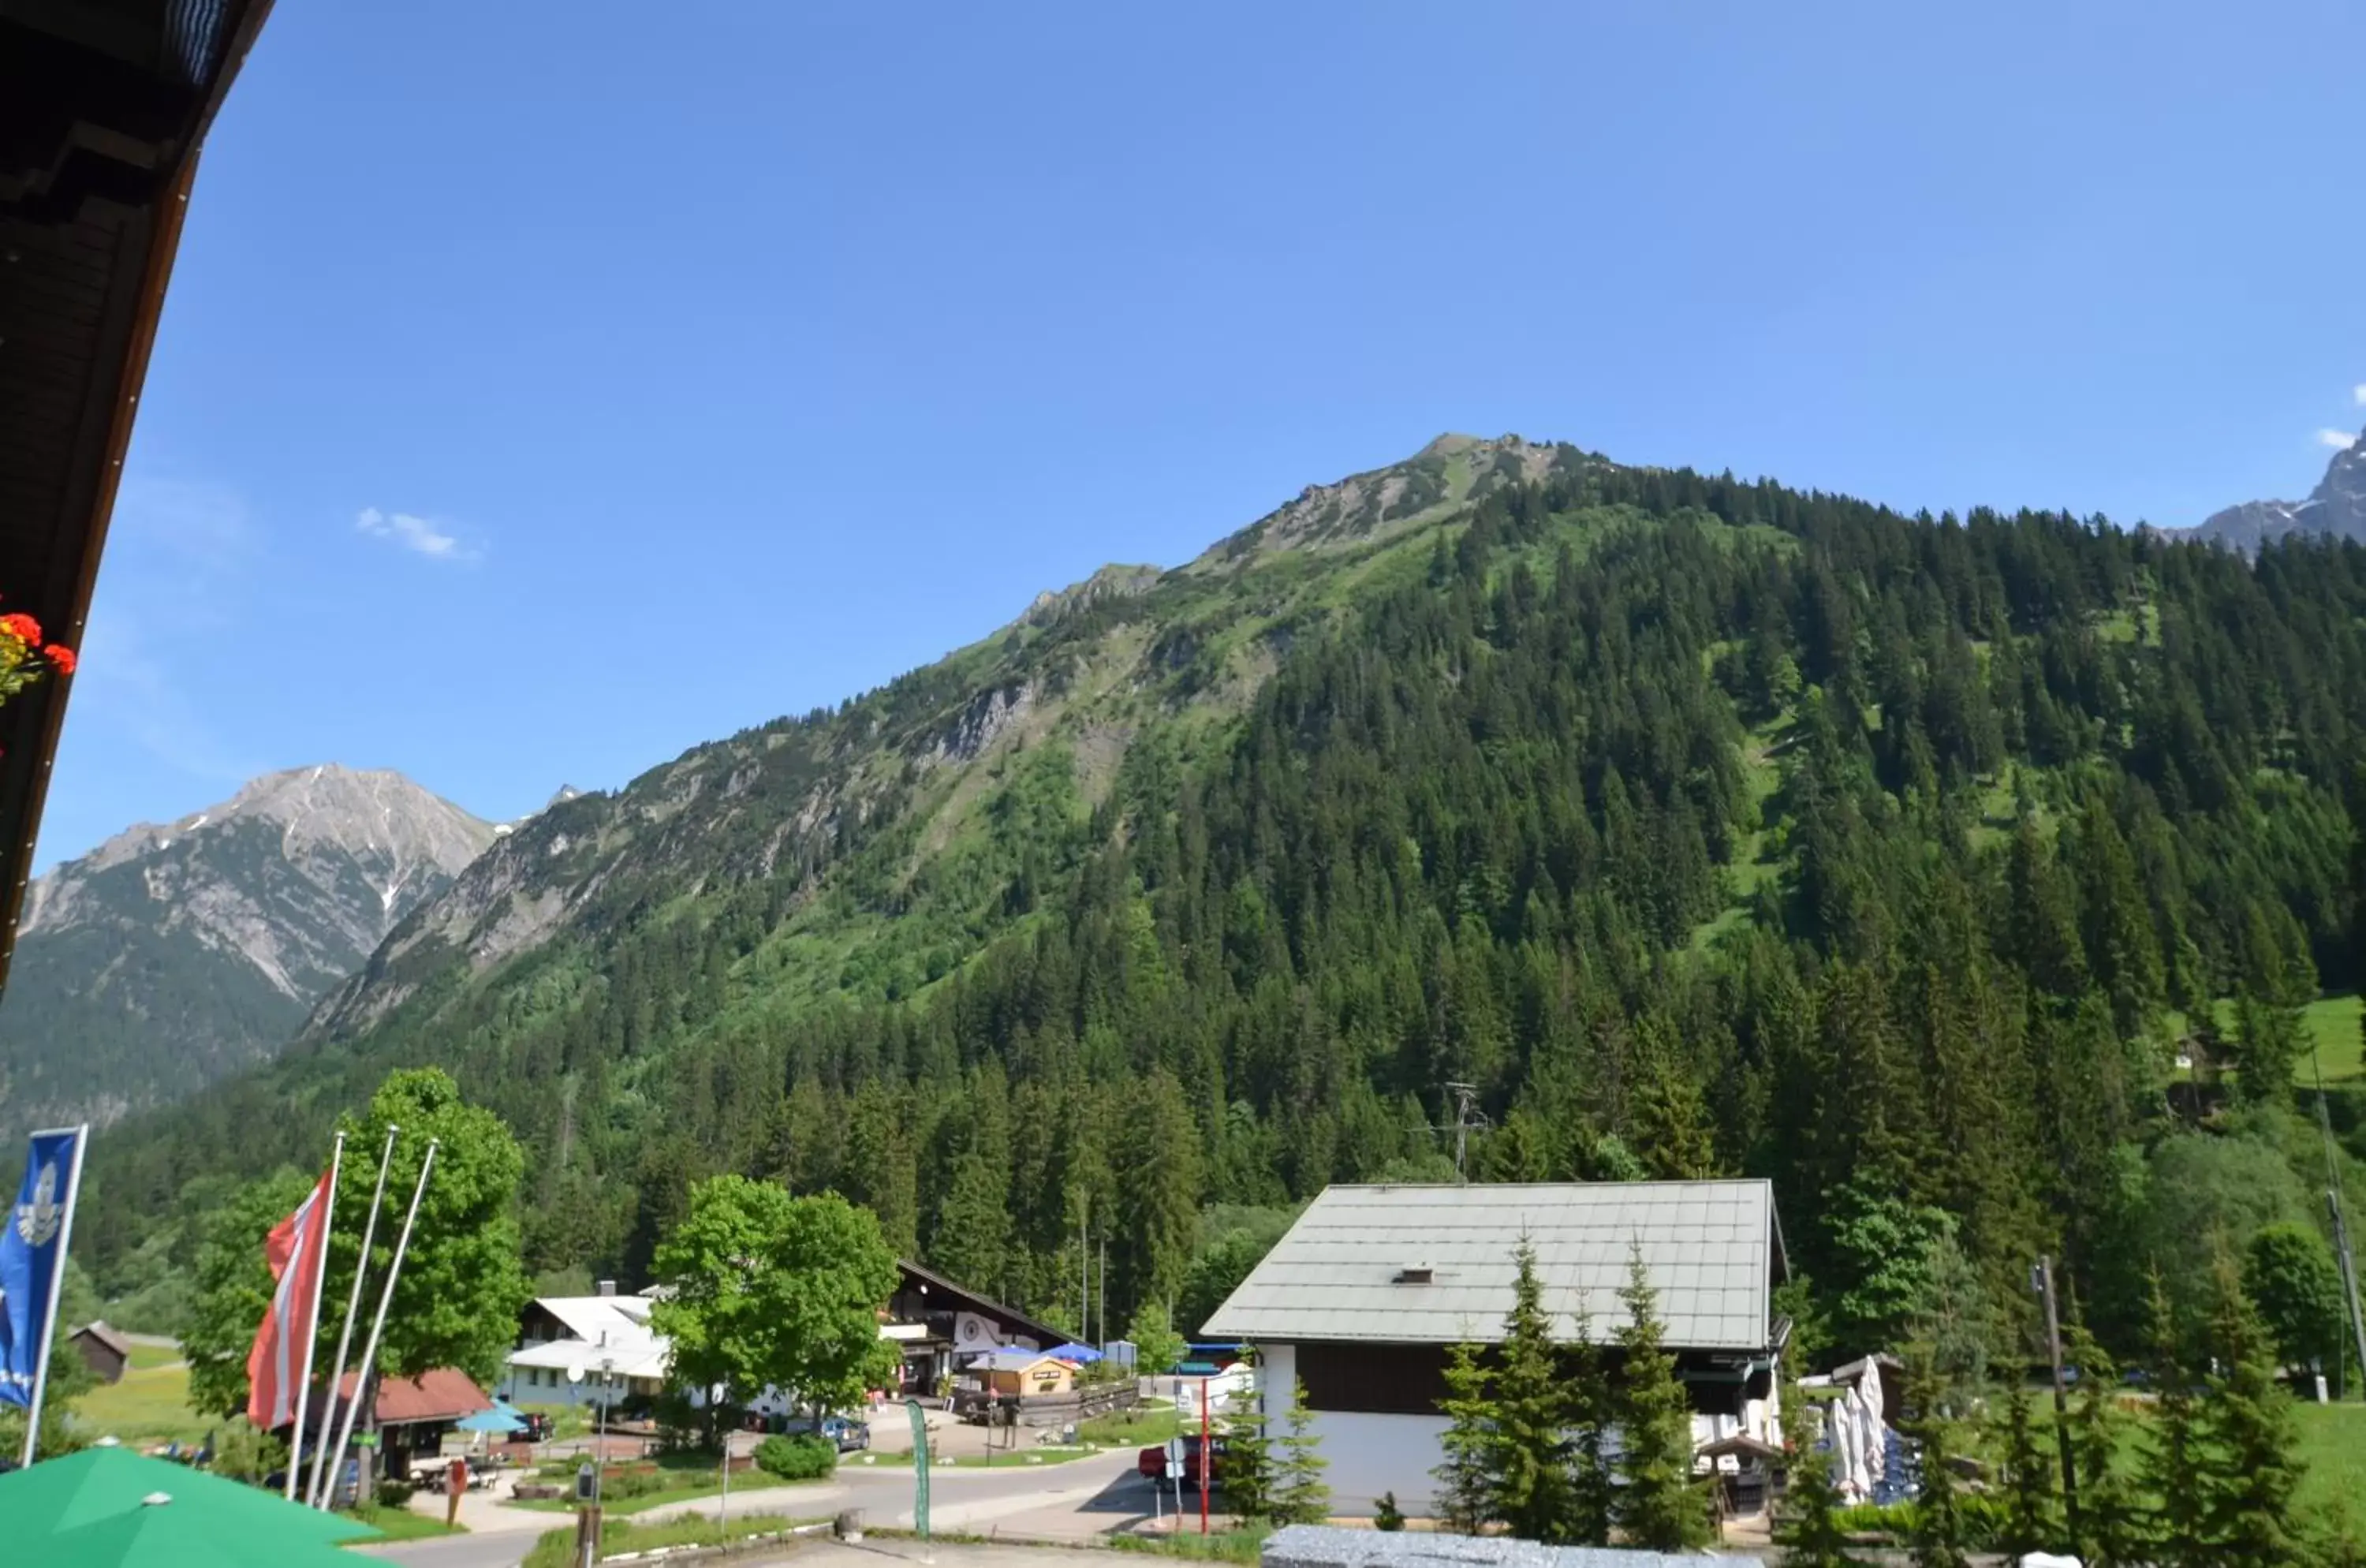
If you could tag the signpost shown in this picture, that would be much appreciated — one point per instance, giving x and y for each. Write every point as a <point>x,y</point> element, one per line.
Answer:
<point>587,1514</point>
<point>1175,1474</point>
<point>1206,1457</point>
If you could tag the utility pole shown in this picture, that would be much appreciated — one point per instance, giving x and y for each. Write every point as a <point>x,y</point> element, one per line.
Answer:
<point>2042,1277</point>
<point>1103,1305</point>
<point>2332,1207</point>
<point>1085,1271</point>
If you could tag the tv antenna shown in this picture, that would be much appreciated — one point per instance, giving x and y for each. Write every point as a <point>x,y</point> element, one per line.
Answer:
<point>1467,1116</point>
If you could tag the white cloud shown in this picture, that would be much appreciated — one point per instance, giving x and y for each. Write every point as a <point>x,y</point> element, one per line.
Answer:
<point>2358,394</point>
<point>416,535</point>
<point>2340,440</point>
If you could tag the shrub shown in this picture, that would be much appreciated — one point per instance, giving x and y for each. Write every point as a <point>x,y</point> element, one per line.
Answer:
<point>393,1494</point>
<point>1387,1515</point>
<point>801,1458</point>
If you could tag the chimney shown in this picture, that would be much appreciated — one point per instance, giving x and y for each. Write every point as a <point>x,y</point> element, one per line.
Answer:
<point>607,1287</point>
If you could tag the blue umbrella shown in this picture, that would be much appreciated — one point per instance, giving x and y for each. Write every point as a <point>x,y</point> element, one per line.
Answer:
<point>493,1420</point>
<point>1073,1352</point>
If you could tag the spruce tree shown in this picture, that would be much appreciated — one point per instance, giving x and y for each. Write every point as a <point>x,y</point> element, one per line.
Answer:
<point>2110,1508</point>
<point>2032,1521</point>
<point>1465,1498</point>
<point>1591,1414</point>
<point>1248,1458</point>
<point>1530,1472</point>
<point>1937,1535</point>
<point>1299,1495</point>
<point>2247,1425</point>
<point>1660,1506</point>
<point>1808,1521</point>
<point>2174,1464</point>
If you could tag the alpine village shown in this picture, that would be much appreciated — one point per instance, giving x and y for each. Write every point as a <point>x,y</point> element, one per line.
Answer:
<point>1521,1007</point>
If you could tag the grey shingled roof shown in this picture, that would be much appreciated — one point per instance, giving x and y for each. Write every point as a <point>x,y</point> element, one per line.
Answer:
<point>1710,1249</point>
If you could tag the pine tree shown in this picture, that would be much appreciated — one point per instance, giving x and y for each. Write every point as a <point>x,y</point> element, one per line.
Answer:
<point>1530,1474</point>
<point>1299,1496</point>
<point>1937,1536</point>
<point>2032,1521</point>
<point>1592,1412</point>
<point>1465,1498</point>
<point>1660,1506</point>
<point>1808,1521</point>
<point>2249,1436</point>
<point>2111,1510</point>
<point>1248,1458</point>
<point>2174,1464</point>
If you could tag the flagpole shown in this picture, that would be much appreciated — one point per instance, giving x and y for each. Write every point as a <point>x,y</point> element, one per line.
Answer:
<point>378,1325</point>
<point>312,1329</point>
<point>318,1496</point>
<point>57,1281</point>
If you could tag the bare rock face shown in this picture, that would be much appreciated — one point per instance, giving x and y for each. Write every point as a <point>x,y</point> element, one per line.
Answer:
<point>2337,506</point>
<point>174,953</point>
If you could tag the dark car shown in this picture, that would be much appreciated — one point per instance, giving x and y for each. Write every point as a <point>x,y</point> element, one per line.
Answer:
<point>844,1431</point>
<point>536,1428</point>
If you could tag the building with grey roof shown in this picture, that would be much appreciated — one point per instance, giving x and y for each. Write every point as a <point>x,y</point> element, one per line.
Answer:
<point>1359,1301</point>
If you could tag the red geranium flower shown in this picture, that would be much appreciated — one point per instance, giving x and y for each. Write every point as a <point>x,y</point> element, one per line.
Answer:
<point>22,626</point>
<point>61,657</point>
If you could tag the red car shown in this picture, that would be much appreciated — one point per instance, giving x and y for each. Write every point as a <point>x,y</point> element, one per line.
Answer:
<point>1151,1462</point>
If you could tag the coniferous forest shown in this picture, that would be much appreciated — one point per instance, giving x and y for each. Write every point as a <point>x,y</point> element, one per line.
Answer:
<point>1971,878</point>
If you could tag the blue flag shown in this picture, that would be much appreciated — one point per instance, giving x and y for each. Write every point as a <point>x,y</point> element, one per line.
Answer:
<point>32,1250</point>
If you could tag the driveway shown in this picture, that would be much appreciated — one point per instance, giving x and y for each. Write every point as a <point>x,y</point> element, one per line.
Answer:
<point>1075,1501</point>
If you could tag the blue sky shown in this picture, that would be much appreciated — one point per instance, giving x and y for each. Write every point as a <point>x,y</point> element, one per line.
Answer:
<point>546,388</point>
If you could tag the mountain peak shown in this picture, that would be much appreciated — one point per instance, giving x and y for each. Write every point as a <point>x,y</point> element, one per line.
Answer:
<point>2337,506</point>
<point>175,952</point>
<point>1451,472</point>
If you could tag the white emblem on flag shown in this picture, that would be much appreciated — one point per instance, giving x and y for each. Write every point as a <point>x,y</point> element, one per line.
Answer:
<point>37,1221</point>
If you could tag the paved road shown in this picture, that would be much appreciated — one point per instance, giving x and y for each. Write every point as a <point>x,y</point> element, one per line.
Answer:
<point>1075,1501</point>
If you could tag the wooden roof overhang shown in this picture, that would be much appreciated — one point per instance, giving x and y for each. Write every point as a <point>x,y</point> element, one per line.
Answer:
<point>103,106</point>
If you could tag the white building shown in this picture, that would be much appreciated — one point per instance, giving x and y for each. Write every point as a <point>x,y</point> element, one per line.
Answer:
<point>606,1338</point>
<point>938,1325</point>
<point>1361,1299</point>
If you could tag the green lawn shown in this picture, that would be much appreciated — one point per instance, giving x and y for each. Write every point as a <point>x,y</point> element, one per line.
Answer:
<point>2332,1022</point>
<point>1013,1459</point>
<point>146,1357</point>
<point>1217,1546</point>
<point>151,1404</point>
<point>665,1497</point>
<point>1136,1428</point>
<point>685,1479</point>
<point>2333,1444</point>
<point>2331,1448</point>
<point>617,1536</point>
<point>399,1524</point>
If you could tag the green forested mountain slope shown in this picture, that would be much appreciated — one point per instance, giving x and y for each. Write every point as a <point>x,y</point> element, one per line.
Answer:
<point>1705,826</point>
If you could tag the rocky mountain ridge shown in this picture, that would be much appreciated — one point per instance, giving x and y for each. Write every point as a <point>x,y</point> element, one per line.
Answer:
<point>175,952</point>
<point>2337,506</point>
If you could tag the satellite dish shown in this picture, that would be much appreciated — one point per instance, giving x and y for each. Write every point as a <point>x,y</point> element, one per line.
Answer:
<point>574,1372</point>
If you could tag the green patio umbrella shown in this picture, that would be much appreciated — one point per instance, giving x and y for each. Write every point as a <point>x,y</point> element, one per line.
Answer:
<point>169,1535</point>
<point>65,1497</point>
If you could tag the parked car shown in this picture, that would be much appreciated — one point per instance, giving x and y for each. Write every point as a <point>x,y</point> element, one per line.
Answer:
<point>844,1430</point>
<point>1151,1462</point>
<point>538,1426</point>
